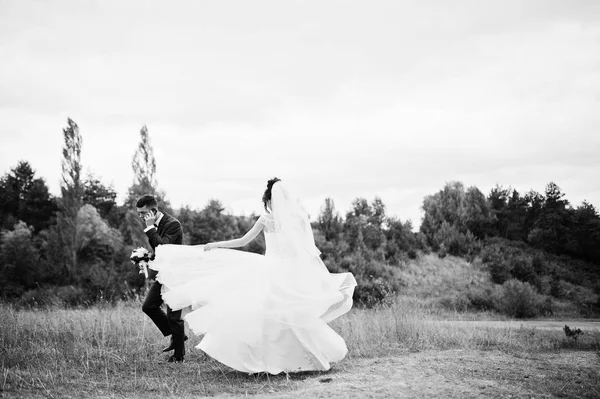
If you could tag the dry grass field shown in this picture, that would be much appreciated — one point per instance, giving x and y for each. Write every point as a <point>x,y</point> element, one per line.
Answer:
<point>402,350</point>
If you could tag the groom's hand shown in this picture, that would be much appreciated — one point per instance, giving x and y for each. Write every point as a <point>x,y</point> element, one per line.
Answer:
<point>150,219</point>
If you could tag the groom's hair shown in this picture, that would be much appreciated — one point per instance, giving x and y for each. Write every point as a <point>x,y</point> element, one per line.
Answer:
<point>147,200</point>
<point>267,195</point>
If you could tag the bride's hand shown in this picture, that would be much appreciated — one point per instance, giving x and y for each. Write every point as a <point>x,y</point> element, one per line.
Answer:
<point>209,246</point>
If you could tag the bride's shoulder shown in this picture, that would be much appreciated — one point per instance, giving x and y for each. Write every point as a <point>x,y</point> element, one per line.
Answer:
<point>265,217</point>
<point>266,220</point>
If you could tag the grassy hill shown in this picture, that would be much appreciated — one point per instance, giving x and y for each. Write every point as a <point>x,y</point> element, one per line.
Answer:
<point>466,289</point>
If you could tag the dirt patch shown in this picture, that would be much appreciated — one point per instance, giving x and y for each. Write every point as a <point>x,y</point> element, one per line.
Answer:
<point>458,374</point>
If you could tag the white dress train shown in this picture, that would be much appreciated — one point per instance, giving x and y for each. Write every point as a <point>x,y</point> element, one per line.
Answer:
<point>258,313</point>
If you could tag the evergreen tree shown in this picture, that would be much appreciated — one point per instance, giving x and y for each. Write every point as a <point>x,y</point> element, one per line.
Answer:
<point>102,198</point>
<point>72,197</point>
<point>25,197</point>
<point>144,171</point>
<point>329,221</point>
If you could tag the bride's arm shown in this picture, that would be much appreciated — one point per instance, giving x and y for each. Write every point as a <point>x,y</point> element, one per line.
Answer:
<point>239,242</point>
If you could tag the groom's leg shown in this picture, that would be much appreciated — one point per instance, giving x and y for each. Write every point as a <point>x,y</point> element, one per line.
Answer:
<point>152,307</point>
<point>177,327</point>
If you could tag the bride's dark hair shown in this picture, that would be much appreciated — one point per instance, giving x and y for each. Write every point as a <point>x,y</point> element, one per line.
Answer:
<point>267,195</point>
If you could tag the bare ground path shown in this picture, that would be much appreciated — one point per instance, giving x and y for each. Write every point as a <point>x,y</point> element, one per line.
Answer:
<point>538,324</point>
<point>458,374</point>
<point>427,374</point>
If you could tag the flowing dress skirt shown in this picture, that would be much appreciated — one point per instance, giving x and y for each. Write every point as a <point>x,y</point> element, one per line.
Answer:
<point>257,313</point>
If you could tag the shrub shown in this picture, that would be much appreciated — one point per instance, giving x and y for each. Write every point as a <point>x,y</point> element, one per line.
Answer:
<point>519,299</point>
<point>499,266</point>
<point>522,269</point>
<point>376,281</point>
<point>500,270</point>
<point>545,285</point>
<point>19,261</point>
<point>458,302</point>
<point>456,242</point>
<point>442,252</point>
<point>421,243</point>
<point>572,333</point>
<point>373,292</point>
<point>538,264</point>
<point>482,298</point>
<point>333,266</point>
<point>585,298</point>
<point>412,254</point>
<point>495,258</point>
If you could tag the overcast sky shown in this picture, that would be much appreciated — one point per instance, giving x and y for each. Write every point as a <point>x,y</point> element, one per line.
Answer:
<point>340,98</point>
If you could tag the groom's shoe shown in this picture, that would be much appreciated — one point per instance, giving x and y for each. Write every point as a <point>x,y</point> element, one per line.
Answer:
<point>175,359</point>
<point>172,344</point>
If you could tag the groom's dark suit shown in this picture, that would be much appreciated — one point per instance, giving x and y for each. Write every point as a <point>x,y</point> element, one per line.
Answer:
<point>169,231</point>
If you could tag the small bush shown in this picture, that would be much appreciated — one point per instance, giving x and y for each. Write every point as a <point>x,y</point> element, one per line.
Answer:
<point>519,299</point>
<point>412,254</point>
<point>442,253</point>
<point>545,285</point>
<point>333,266</point>
<point>500,270</point>
<point>458,302</point>
<point>376,281</point>
<point>495,259</point>
<point>374,292</point>
<point>547,306</point>
<point>456,242</point>
<point>522,269</point>
<point>538,264</point>
<point>482,298</point>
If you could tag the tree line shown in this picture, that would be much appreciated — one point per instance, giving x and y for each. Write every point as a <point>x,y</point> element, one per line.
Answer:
<point>456,217</point>
<point>75,248</point>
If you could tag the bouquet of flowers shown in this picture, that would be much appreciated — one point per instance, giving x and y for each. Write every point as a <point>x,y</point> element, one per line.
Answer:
<point>140,257</point>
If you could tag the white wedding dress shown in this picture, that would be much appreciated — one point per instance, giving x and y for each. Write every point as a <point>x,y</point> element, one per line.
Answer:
<point>261,313</point>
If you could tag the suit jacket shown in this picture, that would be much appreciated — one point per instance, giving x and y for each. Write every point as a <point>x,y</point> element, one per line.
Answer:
<point>169,231</point>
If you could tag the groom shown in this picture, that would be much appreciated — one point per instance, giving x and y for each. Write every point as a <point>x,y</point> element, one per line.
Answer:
<point>162,228</point>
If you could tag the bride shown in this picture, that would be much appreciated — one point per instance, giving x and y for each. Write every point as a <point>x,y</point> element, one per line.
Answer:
<point>261,313</point>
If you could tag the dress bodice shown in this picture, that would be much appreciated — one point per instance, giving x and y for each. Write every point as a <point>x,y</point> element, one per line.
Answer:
<point>268,222</point>
<point>271,245</point>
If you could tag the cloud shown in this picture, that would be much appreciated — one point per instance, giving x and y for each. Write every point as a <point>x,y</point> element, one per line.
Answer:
<point>344,99</point>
